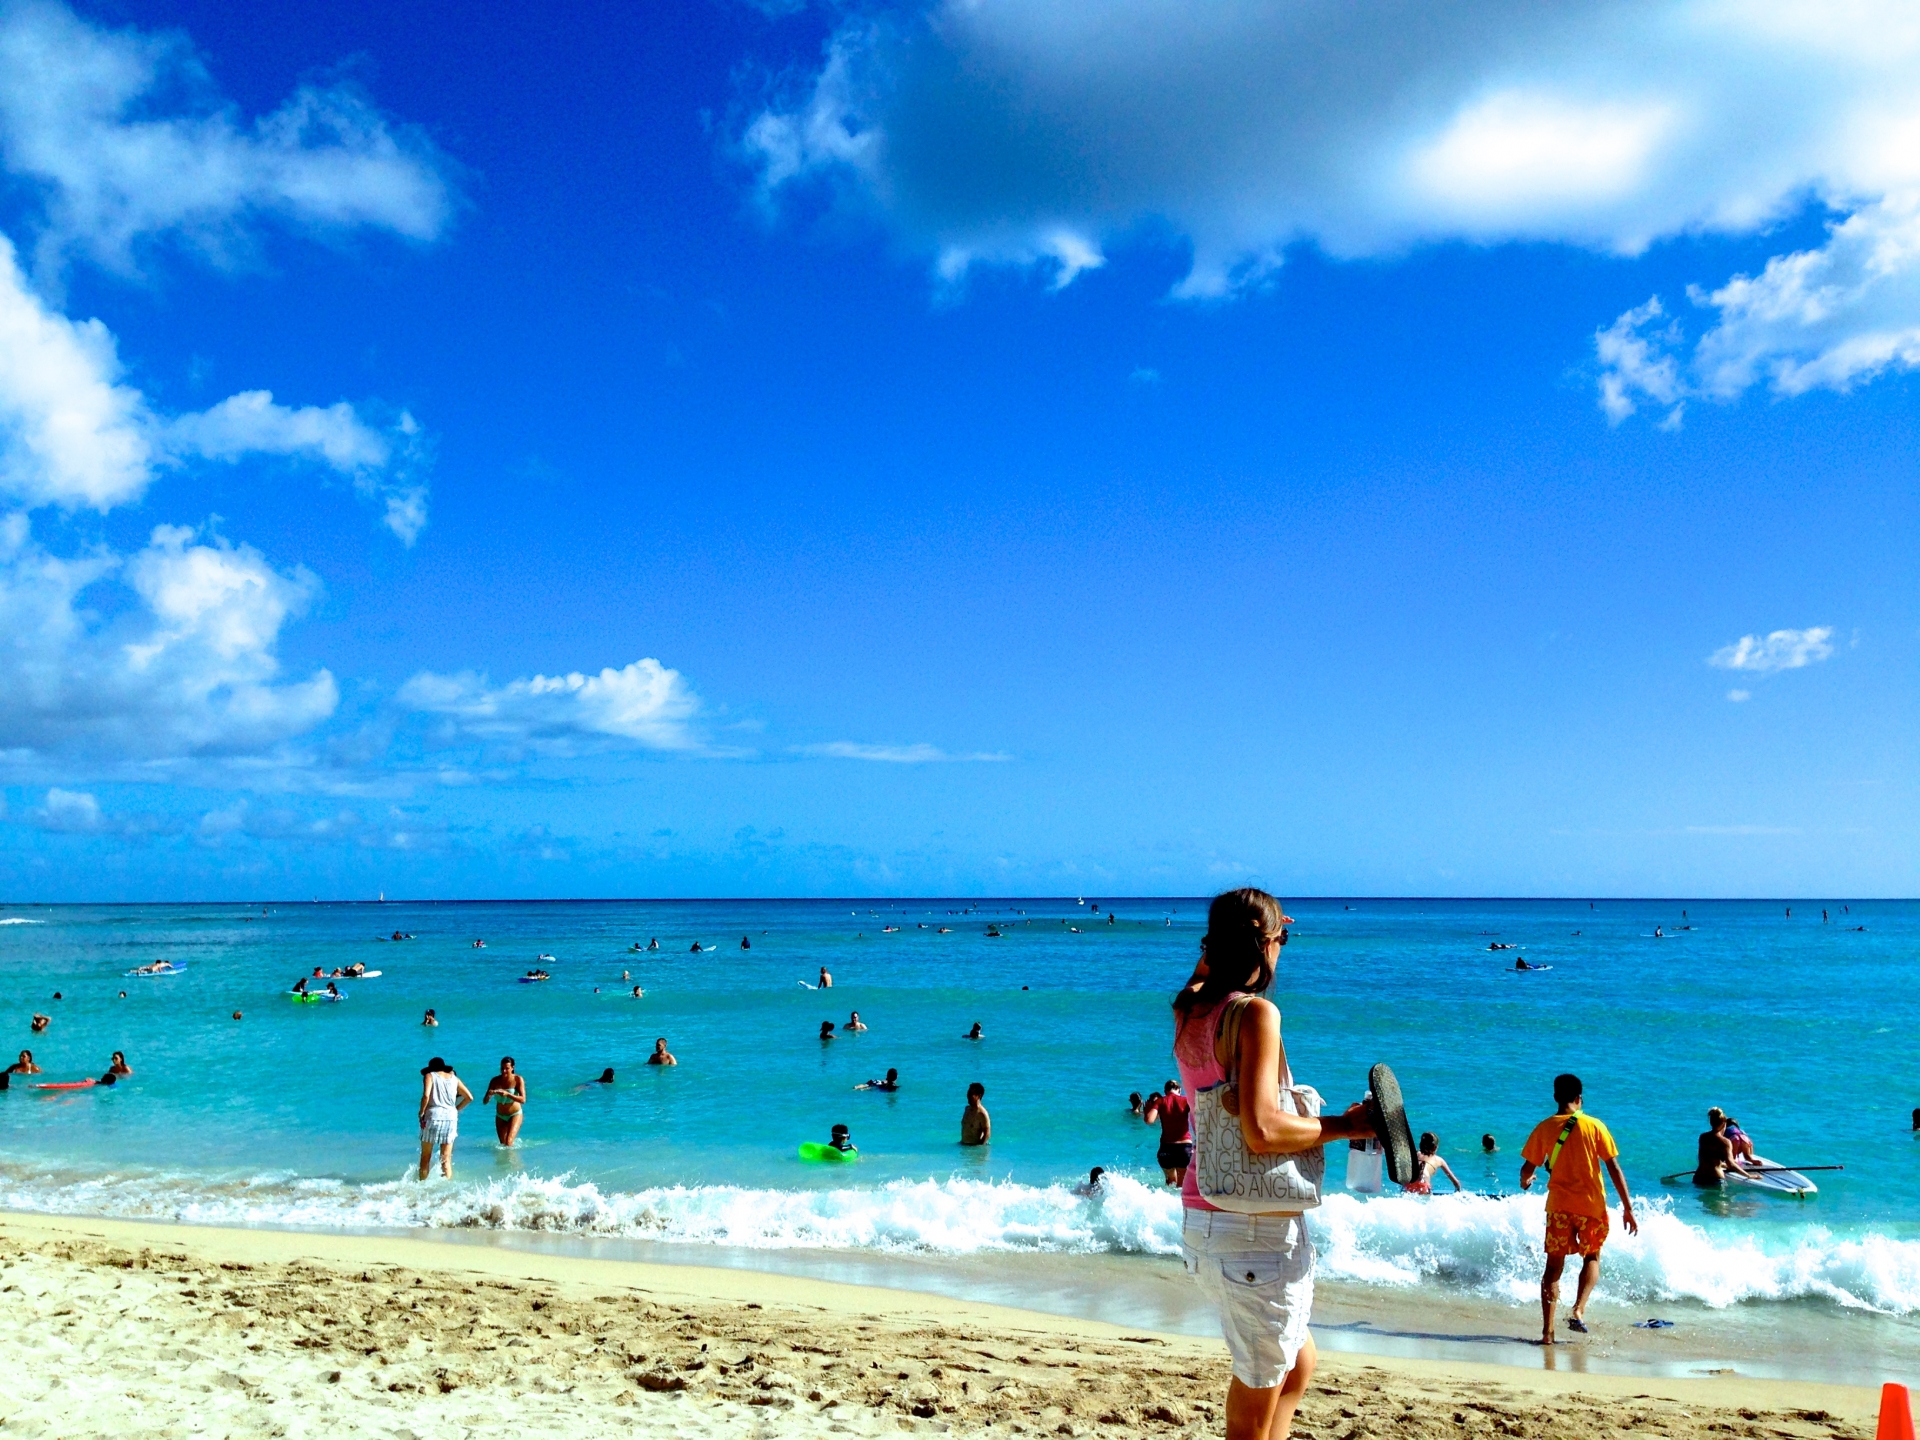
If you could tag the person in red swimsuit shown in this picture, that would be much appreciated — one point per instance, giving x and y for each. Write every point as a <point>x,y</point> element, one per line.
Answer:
<point>1174,1114</point>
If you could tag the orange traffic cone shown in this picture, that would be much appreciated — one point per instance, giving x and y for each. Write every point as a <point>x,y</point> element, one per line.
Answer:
<point>1896,1416</point>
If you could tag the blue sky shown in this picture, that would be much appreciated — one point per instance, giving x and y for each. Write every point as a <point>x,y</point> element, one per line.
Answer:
<point>987,448</point>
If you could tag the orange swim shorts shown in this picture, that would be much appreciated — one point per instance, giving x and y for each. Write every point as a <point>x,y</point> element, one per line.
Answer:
<point>1575,1234</point>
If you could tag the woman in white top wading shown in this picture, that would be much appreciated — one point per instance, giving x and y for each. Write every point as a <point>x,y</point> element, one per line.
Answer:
<point>443,1095</point>
<point>1257,1268</point>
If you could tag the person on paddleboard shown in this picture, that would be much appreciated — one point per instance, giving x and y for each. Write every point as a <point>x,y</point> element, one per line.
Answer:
<point>1717,1154</point>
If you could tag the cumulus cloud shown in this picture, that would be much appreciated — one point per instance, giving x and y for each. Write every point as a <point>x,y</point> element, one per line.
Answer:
<point>73,434</point>
<point>124,136</point>
<point>1043,132</point>
<point>641,706</point>
<point>920,754</point>
<point>1828,318</point>
<point>1779,650</point>
<point>184,667</point>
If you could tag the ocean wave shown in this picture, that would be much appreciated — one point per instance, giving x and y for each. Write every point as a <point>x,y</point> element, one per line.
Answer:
<point>20,920</point>
<point>1486,1246</point>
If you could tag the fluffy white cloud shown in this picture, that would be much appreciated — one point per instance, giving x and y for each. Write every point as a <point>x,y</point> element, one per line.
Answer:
<point>920,754</point>
<point>184,667</point>
<point>1039,132</point>
<point>125,136</point>
<point>1829,318</point>
<point>644,706</point>
<point>73,435</point>
<point>1779,650</point>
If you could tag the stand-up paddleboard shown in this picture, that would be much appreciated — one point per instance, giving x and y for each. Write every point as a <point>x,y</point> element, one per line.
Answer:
<point>814,1150</point>
<point>67,1085</point>
<point>170,969</point>
<point>1768,1176</point>
<point>534,979</point>
<point>1390,1116</point>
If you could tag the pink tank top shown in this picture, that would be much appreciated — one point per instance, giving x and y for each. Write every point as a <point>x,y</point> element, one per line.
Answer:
<point>1199,1070</point>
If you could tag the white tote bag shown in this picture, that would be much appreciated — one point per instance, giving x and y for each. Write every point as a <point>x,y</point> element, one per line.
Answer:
<point>1228,1175</point>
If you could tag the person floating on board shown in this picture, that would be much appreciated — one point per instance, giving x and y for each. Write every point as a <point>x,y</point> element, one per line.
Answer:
<point>1717,1152</point>
<point>1572,1147</point>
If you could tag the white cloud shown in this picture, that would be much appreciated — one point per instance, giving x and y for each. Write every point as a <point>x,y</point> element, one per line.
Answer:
<point>184,668</point>
<point>1829,318</point>
<point>1739,697</point>
<point>644,706</point>
<point>73,435</point>
<point>989,129</point>
<point>1779,650</point>
<point>1042,132</point>
<point>125,137</point>
<point>921,754</point>
<point>76,812</point>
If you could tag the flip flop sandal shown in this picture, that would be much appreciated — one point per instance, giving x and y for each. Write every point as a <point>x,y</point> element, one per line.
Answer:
<point>1574,1322</point>
<point>1389,1115</point>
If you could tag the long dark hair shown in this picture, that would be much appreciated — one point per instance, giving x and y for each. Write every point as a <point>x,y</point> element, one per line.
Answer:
<point>1234,949</point>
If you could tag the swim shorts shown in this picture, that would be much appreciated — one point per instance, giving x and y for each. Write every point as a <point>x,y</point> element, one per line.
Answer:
<point>1176,1155</point>
<point>1575,1234</point>
<point>1258,1272</point>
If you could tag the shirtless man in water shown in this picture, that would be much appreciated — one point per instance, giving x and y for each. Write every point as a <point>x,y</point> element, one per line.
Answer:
<point>507,1093</point>
<point>1717,1155</point>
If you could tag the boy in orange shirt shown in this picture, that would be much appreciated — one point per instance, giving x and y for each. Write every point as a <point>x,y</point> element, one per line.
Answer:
<point>1571,1147</point>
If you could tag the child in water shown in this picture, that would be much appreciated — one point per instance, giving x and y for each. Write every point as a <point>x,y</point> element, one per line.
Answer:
<point>1426,1165</point>
<point>843,1140</point>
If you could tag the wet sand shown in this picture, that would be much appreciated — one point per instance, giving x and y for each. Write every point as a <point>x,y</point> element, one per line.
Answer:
<point>129,1328</point>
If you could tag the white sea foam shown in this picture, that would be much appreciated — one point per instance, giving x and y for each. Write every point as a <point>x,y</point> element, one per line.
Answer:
<point>1473,1244</point>
<point>20,920</point>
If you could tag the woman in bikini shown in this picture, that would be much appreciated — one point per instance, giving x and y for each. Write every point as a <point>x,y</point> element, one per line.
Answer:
<point>24,1065</point>
<point>507,1093</point>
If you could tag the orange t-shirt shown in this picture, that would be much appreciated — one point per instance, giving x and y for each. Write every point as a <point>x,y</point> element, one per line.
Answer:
<point>1578,1186</point>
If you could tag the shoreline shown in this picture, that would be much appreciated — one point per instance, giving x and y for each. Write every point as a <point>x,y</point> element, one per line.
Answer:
<point>1794,1340</point>
<point>290,1312</point>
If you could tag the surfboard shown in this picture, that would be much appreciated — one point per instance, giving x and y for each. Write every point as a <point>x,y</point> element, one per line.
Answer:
<point>66,1085</point>
<point>156,974</point>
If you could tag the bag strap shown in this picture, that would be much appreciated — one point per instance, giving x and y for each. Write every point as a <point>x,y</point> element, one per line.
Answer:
<point>1566,1130</point>
<point>1228,1034</point>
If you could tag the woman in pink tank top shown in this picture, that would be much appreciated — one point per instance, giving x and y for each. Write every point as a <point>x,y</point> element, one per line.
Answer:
<point>1257,1269</point>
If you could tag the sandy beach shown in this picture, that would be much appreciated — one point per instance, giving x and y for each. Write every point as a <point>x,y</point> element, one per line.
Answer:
<point>129,1328</point>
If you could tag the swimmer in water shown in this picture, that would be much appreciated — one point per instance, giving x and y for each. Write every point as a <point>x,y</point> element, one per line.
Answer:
<point>890,1084</point>
<point>696,948</point>
<point>660,1055</point>
<point>826,1030</point>
<point>605,1077</point>
<point>25,1066</point>
<point>745,943</point>
<point>507,1093</point>
<point>974,1033</point>
<point>638,993</point>
<point>429,1019</point>
<point>39,1024</point>
<point>653,944</point>
<point>1488,1145</point>
<point>1091,1186</point>
<point>826,980</point>
<point>1134,1103</point>
<point>976,1126</point>
<point>843,1141</point>
<point>853,1023</point>
<point>1426,1165</point>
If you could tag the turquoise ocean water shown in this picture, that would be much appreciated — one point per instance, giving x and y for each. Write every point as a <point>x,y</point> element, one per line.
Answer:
<point>305,1114</point>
